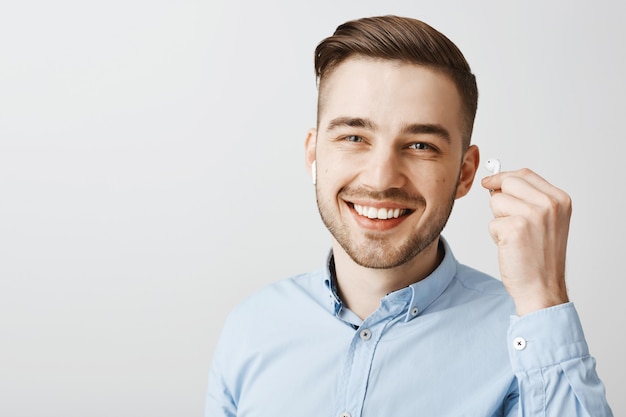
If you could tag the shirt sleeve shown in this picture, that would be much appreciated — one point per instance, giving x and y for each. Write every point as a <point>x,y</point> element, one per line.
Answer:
<point>218,402</point>
<point>556,375</point>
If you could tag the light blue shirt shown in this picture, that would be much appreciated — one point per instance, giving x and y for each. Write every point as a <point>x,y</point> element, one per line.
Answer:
<point>448,345</point>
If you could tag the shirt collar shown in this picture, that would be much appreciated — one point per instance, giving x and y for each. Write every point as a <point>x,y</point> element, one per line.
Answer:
<point>422,293</point>
<point>426,291</point>
<point>330,281</point>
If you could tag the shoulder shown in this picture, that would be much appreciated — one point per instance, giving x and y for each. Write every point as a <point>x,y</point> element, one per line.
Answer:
<point>468,279</point>
<point>279,299</point>
<point>475,280</point>
<point>306,285</point>
<point>270,314</point>
<point>481,290</point>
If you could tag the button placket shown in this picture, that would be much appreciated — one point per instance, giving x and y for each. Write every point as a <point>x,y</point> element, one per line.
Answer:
<point>519,343</point>
<point>359,358</point>
<point>365,334</point>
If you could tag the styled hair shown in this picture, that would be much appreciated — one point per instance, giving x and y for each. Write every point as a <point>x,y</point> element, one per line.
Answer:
<point>401,39</point>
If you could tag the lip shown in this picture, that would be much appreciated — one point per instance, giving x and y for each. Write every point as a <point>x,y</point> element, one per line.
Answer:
<point>377,204</point>
<point>377,224</point>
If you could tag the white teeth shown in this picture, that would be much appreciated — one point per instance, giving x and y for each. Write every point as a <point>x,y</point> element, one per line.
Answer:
<point>378,213</point>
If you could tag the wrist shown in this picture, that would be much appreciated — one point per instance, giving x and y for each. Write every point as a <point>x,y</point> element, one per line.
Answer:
<point>530,304</point>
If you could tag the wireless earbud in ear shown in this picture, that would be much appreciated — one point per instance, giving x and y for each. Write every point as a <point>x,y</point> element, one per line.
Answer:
<point>493,165</point>
<point>313,173</point>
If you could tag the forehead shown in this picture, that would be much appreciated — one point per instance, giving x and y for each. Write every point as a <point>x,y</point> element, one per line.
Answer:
<point>389,92</point>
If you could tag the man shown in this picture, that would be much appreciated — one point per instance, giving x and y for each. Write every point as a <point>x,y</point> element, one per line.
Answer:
<point>394,325</point>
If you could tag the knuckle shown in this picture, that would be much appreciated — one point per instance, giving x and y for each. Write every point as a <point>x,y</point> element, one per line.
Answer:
<point>566,203</point>
<point>518,227</point>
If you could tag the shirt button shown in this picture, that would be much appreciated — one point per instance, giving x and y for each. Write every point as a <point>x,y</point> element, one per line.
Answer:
<point>414,311</point>
<point>519,343</point>
<point>346,414</point>
<point>365,334</point>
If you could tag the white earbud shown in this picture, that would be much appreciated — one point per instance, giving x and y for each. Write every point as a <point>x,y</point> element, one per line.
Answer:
<point>313,173</point>
<point>493,165</point>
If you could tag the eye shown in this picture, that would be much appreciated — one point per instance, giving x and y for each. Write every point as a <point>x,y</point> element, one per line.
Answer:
<point>353,138</point>
<point>420,146</point>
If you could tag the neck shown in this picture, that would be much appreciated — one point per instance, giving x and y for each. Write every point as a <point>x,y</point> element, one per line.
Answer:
<point>362,288</point>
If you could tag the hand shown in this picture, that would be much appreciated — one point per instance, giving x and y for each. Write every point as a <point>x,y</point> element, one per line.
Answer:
<point>530,228</point>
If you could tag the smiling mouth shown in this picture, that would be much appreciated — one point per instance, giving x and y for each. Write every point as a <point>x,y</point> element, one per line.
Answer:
<point>376,213</point>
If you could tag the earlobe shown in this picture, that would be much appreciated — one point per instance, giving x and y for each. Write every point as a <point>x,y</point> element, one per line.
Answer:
<point>469,166</point>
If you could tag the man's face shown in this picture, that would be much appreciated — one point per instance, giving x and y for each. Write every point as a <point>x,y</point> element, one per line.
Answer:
<point>389,158</point>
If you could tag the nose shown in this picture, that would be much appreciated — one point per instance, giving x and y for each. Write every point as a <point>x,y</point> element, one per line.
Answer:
<point>383,170</point>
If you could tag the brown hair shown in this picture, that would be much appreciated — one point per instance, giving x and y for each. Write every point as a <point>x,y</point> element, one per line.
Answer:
<point>404,39</point>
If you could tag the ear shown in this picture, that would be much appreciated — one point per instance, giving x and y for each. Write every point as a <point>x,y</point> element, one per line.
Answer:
<point>469,166</point>
<point>309,148</point>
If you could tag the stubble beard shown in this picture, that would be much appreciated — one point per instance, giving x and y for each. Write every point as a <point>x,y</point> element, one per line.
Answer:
<point>378,251</point>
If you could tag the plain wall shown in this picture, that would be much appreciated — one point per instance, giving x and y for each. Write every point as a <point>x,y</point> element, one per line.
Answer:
<point>152,176</point>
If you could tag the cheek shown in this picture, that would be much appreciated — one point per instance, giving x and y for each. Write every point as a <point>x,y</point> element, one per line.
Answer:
<point>328,178</point>
<point>430,176</point>
<point>436,183</point>
<point>335,171</point>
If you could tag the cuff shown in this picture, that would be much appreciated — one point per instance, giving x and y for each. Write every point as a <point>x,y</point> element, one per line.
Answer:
<point>545,338</point>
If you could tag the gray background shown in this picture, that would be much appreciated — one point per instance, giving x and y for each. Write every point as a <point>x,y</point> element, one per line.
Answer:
<point>152,175</point>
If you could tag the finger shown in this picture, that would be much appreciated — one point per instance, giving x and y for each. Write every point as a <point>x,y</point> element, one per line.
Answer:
<point>524,217</point>
<point>532,188</point>
<point>506,205</point>
<point>495,227</point>
<point>522,199</point>
<point>524,190</point>
<point>494,182</point>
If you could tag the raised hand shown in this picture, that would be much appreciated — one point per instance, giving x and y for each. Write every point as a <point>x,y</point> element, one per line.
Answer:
<point>530,228</point>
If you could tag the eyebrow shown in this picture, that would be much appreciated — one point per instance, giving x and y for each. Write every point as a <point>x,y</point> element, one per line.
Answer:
<point>351,122</point>
<point>409,129</point>
<point>429,129</point>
